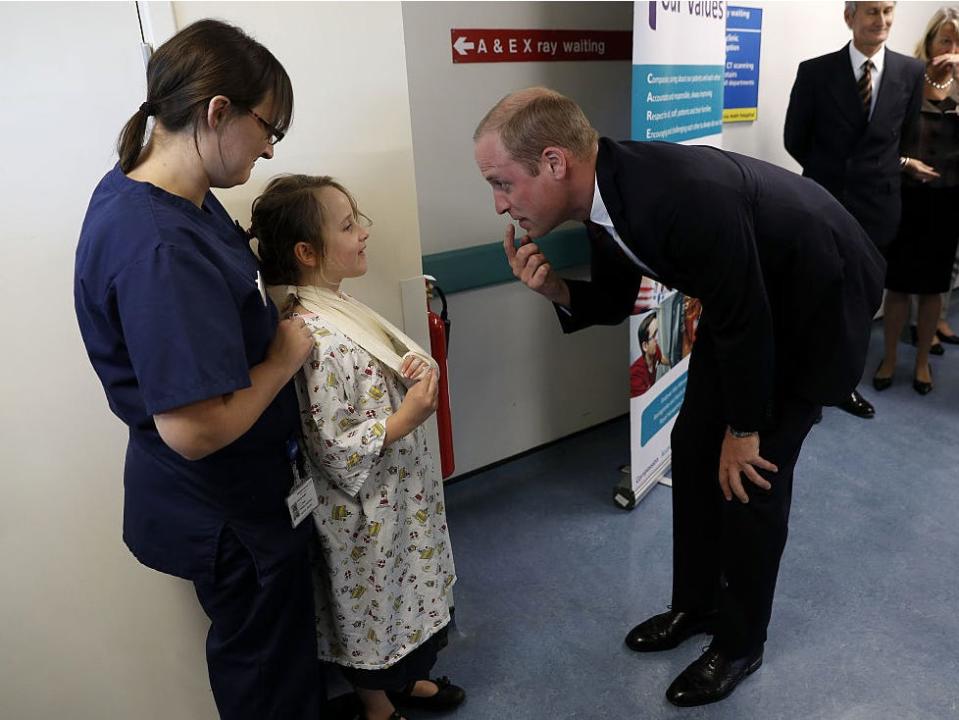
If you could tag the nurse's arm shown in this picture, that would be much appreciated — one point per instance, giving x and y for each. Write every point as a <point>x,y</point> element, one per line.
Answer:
<point>201,428</point>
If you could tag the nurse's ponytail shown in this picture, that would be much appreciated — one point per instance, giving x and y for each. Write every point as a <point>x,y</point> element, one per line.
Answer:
<point>131,139</point>
<point>205,59</point>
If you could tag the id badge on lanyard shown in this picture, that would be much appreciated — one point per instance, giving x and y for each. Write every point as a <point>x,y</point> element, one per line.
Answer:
<point>302,500</point>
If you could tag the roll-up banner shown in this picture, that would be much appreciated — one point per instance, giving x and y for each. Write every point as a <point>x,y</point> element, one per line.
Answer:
<point>679,54</point>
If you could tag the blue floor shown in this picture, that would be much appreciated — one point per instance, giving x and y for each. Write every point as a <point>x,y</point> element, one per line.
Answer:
<point>866,621</point>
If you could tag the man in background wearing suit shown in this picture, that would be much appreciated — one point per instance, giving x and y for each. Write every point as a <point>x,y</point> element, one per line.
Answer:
<point>848,113</point>
<point>789,283</point>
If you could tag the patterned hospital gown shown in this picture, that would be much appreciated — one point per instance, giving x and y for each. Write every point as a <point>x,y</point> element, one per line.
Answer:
<point>381,517</point>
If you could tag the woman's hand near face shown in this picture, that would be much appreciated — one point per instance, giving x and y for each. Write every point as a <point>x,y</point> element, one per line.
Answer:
<point>945,59</point>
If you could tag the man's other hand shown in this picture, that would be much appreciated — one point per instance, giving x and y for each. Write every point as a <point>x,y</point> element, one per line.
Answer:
<point>740,456</point>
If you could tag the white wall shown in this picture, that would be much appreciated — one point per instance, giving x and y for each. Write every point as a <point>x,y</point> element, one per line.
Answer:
<point>351,120</point>
<point>86,633</point>
<point>516,382</point>
<point>793,32</point>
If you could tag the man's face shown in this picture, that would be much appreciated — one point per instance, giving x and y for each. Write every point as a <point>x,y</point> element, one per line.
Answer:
<point>651,346</point>
<point>871,22</point>
<point>536,202</point>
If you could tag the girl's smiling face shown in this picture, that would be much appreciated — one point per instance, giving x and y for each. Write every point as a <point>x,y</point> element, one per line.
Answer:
<point>344,237</point>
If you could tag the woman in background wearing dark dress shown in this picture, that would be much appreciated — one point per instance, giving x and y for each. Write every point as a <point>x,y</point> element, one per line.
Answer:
<point>920,259</point>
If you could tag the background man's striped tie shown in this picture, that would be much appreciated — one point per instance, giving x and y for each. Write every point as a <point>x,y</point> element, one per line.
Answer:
<point>865,86</point>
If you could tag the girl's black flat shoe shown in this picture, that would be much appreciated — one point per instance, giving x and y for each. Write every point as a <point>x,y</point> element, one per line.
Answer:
<point>446,698</point>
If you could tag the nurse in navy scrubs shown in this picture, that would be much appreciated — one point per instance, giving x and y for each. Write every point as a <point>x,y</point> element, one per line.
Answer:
<point>194,360</point>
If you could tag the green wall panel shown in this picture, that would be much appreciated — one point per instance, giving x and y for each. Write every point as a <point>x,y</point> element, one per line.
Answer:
<point>483,265</point>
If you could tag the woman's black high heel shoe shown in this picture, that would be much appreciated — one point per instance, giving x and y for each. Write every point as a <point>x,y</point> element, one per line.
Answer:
<point>923,388</point>
<point>881,383</point>
<point>951,339</point>
<point>934,349</point>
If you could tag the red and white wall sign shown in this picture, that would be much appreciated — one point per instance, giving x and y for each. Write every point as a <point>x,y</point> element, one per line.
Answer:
<point>488,46</point>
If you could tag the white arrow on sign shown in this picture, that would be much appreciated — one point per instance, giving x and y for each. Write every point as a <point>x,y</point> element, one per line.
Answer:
<point>461,46</point>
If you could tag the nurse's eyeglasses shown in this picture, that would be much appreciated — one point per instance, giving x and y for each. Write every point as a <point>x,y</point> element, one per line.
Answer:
<point>273,135</point>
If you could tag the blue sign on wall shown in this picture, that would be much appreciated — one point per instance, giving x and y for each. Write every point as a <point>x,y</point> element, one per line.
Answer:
<point>673,103</point>
<point>741,79</point>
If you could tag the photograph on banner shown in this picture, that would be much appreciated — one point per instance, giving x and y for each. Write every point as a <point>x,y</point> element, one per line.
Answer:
<point>677,96</point>
<point>662,332</point>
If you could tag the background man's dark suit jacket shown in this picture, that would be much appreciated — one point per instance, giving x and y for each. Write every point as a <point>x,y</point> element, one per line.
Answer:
<point>857,161</point>
<point>788,279</point>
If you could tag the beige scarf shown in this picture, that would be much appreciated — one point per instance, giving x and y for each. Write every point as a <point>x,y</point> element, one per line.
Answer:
<point>367,328</point>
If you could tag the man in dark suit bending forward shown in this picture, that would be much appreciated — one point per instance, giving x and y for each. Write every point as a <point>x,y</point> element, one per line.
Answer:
<point>789,283</point>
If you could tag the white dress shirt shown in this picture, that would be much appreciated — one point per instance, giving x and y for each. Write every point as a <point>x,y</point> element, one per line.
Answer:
<point>878,61</point>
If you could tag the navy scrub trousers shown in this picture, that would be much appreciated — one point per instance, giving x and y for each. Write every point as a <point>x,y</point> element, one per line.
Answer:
<point>259,656</point>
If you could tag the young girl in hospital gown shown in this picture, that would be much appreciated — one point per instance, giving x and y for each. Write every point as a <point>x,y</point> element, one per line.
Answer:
<point>383,593</point>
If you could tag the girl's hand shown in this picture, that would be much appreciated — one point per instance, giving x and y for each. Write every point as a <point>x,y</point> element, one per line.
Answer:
<point>413,367</point>
<point>421,399</point>
<point>420,402</point>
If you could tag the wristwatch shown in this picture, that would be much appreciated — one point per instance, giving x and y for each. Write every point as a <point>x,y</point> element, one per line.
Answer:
<point>742,433</point>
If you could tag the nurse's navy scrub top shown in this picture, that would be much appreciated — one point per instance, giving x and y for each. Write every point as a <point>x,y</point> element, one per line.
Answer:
<point>170,313</point>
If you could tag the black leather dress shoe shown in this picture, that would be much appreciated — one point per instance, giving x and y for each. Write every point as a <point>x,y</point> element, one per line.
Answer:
<point>666,630</point>
<point>711,678</point>
<point>858,405</point>
<point>948,339</point>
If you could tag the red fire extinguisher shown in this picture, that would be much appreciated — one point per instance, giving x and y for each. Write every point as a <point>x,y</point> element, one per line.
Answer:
<point>439,346</point>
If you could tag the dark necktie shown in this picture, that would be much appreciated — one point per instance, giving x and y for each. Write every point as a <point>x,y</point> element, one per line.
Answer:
<point>602,238</point>
<point>597,233</point>
<point>865,86</point>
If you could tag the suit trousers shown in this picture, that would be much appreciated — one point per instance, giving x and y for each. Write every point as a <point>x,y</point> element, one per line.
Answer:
<point>261,647</point>
<point>726,554</point>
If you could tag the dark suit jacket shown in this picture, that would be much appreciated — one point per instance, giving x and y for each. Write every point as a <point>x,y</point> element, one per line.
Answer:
<point>857,161</point>
<point>788,279</point>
